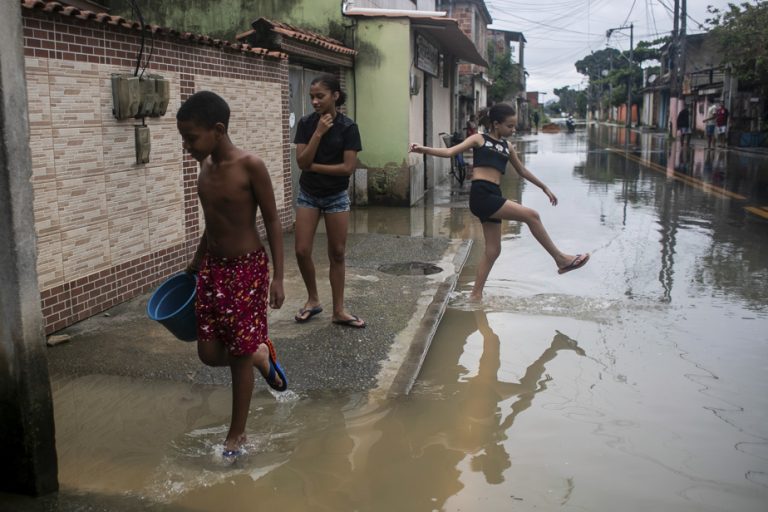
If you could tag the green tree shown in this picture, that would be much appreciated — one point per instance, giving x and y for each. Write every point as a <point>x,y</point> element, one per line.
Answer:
<point>743,38</point>
<point>608,72</point>
<point>571,101</point>
<point>505,74</point>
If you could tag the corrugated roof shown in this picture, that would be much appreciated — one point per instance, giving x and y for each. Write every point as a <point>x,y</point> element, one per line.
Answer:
<point>53,7</point>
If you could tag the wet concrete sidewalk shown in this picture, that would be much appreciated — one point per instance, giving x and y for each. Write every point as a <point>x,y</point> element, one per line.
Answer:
<point>386,285</point>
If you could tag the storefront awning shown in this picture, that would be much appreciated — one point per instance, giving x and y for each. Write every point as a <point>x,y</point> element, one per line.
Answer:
<point>444,31</point>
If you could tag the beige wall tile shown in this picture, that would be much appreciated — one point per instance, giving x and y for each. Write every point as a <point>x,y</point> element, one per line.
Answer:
<point>75,98</point>
<point>78,151</point>
<point>126,193</point>
<point>166,225</point>
<point>39,101</point>
<point>82,201</point>
<point>166,144</point>
<point>35,66</point>
<point>164,185</point>
<point>119,146</point>
<point>46,208</point>
<point>85,250</point>
<point>128,237</point>
<point>41,149</point>
<point>50,266</point>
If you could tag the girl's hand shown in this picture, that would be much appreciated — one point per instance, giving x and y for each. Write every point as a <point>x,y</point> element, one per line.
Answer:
<point>552,197</point>
<point>415,148</point>
<point>325,123</point>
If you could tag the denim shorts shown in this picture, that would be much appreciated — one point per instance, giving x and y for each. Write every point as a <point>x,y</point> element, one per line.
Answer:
<point>336,203</point>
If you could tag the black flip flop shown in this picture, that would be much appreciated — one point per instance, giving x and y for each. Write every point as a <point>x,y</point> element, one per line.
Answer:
<point>351,322</point>
<point>312,312</point>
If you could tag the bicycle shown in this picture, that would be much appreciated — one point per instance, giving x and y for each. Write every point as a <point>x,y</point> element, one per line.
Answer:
<point>459,166</point>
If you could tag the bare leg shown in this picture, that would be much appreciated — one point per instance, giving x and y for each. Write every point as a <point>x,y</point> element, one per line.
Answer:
<point>336,225</point>
<point>242,389</point>
<point>212,353</point>
<point>518,212</point>
<point>306,226</point>
<point>492,235</point>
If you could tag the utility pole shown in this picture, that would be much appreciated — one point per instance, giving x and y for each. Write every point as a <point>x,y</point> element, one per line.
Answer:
<point>681,45</point>
<point>629,77</point>
<point>673,58</point>
<point>608,33</point>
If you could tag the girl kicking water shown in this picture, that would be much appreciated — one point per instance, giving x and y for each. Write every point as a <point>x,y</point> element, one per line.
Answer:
<point>491,154</point>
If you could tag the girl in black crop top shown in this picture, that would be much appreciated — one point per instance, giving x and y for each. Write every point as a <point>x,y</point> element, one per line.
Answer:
<point>492,153</point>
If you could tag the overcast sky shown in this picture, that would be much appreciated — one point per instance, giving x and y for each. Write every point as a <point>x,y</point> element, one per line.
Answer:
<point>560,32</point>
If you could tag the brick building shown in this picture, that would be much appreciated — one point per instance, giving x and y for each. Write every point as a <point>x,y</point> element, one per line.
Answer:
<point>109,228</point>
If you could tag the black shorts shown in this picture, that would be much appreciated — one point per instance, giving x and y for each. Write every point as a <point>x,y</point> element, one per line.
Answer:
<point>485,199</point>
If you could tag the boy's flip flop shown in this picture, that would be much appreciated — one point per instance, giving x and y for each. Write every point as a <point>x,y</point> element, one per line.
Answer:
<point>303,311</point>
<point>275,369</point>
<point>579,261</point>
<point>231,454</point>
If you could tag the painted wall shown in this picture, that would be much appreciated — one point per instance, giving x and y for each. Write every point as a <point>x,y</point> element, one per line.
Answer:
<point>231,17</point>
<point>382,95</point>
<point>442,121</point>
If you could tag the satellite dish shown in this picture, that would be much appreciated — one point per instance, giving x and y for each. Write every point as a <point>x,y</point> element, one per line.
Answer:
<point>604,72</point>
<point>652,78</point>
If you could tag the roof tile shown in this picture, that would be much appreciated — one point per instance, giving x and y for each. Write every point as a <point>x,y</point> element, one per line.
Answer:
<point>53,7</point>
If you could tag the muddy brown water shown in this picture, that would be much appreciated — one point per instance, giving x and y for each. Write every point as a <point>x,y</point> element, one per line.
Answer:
<point>636,383</point>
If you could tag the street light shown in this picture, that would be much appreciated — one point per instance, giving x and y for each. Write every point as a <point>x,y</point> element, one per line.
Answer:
<point>608,33</point>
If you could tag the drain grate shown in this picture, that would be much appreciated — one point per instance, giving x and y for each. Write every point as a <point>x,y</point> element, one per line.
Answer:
<point>410,268</point>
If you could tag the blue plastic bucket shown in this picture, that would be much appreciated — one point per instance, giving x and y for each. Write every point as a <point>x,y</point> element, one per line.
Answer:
<point>173,305</point>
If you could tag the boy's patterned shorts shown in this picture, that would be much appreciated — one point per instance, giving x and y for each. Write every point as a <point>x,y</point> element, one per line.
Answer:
<point>231,306</point>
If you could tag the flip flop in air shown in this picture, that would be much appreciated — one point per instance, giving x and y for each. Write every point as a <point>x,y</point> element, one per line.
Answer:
<point>579,261</point>
<point>275,370</point>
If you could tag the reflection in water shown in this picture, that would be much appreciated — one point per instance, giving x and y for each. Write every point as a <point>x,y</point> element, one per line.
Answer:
<point>469,419</point>
<point>691,190</point>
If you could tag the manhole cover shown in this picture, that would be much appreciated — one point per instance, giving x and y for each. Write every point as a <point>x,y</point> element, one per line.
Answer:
<point>410,268</point>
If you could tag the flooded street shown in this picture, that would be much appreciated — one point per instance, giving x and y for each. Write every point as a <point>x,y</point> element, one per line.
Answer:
<point>636,383</point>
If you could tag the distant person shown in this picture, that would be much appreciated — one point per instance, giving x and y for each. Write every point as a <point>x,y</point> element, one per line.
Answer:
<point>492,153</point>
<point>570,124</point>
<point>684,125</point>
<point>709,121</point>
<point>721,125</point>
<point>233,286</point>
<point>471,128</point>
<point>327,143</point>
<point>536,120</point>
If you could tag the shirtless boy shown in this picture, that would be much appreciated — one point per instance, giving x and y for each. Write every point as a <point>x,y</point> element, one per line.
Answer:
<point>233,268</point>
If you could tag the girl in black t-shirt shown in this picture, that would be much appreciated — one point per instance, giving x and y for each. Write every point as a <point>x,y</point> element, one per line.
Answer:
<point>327,143</point>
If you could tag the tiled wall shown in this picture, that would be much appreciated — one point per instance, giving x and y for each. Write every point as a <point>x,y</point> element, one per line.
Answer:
<point>109,229</point>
